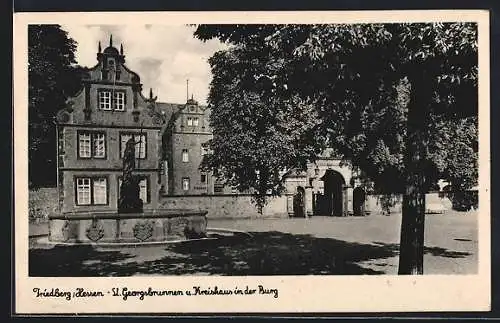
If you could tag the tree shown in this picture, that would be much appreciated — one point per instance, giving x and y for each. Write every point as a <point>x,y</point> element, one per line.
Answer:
<point>390,98</point>
<point>52,77</point>
<point>265,135</point>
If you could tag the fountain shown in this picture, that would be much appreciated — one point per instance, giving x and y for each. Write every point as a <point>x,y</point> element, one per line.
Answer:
<point>130,224</point>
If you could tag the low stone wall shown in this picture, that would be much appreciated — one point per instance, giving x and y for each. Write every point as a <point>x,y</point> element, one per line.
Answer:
<point>433,203</point>
<point>226,206</point>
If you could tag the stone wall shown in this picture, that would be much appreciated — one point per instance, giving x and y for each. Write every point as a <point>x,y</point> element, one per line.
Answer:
<point>226,206</point>
<point>433,203</point>
<point>43,202</point>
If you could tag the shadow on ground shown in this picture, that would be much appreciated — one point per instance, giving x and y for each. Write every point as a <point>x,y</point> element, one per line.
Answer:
<point>434,251</point>
<point>266,253</point>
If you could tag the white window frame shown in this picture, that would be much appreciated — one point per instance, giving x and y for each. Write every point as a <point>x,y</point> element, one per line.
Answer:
<point>140,149</point>
<point>99,145</point>
<point>100,185</point>
<point>196,122</point>
<point>190,122</point>
<point>143,190</point>
<point>83,191</point>
<point>185,184</point>
<point>119,98</point>
<point>86,188</point>
<point>105,100</point>
<point>185,155</point>
<point>91,144</point>
<point>84,145</point>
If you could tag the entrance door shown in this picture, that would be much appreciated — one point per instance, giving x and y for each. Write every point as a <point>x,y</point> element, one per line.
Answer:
<point>333,193</point>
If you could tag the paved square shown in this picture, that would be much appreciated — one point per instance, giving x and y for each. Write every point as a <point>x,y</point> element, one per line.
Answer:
<point>319,245</point>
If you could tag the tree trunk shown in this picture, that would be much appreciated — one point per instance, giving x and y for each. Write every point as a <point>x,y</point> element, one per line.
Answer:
<point>411,253</point>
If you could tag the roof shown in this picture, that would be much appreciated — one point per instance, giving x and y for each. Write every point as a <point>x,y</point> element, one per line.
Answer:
<point>171,108</point>
<point>168,108</point>
<point>111,50</point>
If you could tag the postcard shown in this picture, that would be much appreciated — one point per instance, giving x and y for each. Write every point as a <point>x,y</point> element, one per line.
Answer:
<point>251,162</point>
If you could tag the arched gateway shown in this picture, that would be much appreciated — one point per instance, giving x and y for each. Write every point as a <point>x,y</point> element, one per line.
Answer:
<point>332,202</point>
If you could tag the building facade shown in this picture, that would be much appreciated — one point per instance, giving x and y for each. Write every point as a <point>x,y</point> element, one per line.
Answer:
<point>184,150</point>
<point>93,130</point>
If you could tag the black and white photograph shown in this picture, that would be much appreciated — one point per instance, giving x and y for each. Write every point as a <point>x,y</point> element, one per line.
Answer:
<point>199,150</point>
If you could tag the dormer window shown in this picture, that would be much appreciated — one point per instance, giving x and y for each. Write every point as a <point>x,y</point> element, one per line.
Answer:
<point>192,122</point>
<point>105,102</point>
<point>119,101</point>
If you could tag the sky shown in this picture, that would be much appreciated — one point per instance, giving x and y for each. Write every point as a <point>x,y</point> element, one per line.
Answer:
<point>164,56</point>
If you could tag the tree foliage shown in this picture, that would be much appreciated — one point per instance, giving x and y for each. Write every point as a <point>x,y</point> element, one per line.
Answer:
<point>398,101</point>
<point>347,87</point>
<point>52,77</point>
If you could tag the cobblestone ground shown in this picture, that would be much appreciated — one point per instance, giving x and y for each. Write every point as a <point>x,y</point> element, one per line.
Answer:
<point>319,245</point>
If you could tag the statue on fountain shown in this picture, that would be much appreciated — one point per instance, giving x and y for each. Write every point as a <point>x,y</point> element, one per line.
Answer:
<point>129,200</point>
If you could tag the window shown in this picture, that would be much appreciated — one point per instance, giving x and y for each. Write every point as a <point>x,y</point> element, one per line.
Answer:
<point>185,156</point>
<point>189,121</point>
<point>99,145</point>
<point>100,191</point>
<point>105,100</point>
<point>185,183</point>
<point>203,178</point>
<point>119,98</point>
<point>204,151</point>
<point>143,189</point>
<point>140,144</point>
<point>195,122</point>
<point>91,144</point>
<point>91,191</point>
<point>83,191</point>
<point>111,99</point>
<point>84,150</point>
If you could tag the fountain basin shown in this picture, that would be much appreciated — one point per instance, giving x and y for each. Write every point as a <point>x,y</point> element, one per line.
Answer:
<point>113,227</point>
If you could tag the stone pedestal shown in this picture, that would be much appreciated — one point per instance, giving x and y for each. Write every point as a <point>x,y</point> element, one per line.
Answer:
<point>175,225</point>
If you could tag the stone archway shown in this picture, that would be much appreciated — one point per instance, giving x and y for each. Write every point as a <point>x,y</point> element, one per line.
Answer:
<point>334,193</point>
<point>358,201</point>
